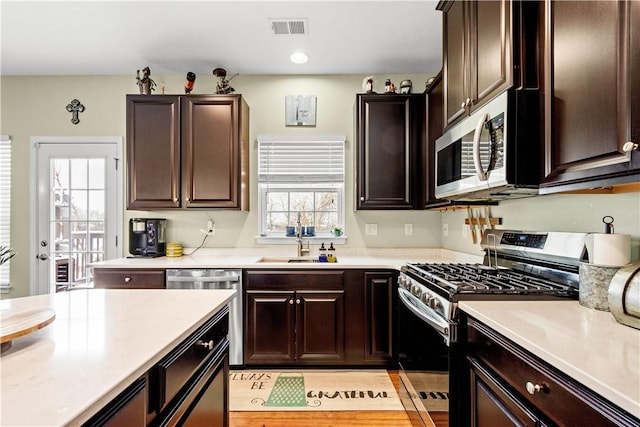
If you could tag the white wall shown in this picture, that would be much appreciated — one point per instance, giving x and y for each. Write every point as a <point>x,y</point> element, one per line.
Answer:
<point>566,212</point>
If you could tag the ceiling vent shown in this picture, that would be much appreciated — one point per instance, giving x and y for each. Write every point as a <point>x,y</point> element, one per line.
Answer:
<point>289,26</point>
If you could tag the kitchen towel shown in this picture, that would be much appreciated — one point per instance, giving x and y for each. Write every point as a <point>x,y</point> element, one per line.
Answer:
<point>612,250</point>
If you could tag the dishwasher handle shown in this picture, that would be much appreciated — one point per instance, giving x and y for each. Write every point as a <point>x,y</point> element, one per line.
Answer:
<point>204,279</point>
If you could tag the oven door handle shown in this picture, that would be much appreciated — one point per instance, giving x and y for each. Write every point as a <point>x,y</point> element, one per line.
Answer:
<point>427,316</point>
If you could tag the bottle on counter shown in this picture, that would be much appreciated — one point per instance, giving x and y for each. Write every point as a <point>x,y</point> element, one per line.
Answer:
<point>322,254</point>
<point>331,254</point>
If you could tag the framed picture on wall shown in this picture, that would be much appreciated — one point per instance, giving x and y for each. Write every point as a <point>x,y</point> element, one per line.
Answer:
<point>300,110</point>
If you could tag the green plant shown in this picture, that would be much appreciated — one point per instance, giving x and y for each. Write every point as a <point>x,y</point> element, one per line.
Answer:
<point>6,253</point>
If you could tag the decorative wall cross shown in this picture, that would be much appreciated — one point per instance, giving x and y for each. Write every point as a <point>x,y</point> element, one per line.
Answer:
<point>75,107</point>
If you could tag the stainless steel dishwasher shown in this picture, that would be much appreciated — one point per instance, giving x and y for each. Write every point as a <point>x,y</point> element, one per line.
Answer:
<point>187,278</point>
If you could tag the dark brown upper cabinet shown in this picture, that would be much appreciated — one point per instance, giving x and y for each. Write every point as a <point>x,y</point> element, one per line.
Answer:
<point>390,137</point>
<point>187,151</point>
<point>592,104</point>
<point>478,53</point>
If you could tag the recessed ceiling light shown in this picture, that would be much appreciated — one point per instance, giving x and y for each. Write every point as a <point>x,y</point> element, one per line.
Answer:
<point>298,58</point>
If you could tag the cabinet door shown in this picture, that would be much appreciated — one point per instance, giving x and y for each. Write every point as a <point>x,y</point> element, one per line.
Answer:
<point>592,101</point>
<point>478,62</point>
<point>211,151</point>
<point>491,64</point>
<point>390,132</point>
<point>270,318</point>
<point>493,405</point>
<point>128,409</point>
<point>455,56</point>
<point>153,152</point>
<point>379,303</point>
<point>320,326</point>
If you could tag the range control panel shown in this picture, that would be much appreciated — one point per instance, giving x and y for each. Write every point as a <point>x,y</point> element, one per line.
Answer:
<point>527,240</point>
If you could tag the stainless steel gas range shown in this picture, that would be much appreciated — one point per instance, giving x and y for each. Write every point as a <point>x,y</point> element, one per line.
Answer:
<point>517,265</point>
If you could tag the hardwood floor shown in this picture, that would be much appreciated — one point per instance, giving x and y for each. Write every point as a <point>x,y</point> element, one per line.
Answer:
<point>330,419</point>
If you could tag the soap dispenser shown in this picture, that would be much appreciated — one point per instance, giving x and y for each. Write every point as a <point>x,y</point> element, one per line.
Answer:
<point>322,254</point>
<point>331,254</point>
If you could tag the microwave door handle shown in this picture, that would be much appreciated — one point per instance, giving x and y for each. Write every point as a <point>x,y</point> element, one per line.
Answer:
<point>477,163</point>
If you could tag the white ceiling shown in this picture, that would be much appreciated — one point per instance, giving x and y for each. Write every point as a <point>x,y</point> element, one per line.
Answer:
<point>173,37</point>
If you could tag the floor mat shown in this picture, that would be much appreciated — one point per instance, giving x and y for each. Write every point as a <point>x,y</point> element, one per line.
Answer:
<point>320,390</point>
<point>433,389</point>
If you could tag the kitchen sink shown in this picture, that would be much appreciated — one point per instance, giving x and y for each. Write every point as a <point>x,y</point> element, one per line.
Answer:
<point>287,260</point>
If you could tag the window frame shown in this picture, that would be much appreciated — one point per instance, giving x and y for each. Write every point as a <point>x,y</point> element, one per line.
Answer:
<point>269,183</point>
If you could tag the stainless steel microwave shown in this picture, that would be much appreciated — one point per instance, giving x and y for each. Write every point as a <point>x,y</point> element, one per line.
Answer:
<point>495,153</point>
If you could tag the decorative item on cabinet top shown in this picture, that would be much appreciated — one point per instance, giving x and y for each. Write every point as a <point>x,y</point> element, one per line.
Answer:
<point>223,87</point>
<point>145,84</point>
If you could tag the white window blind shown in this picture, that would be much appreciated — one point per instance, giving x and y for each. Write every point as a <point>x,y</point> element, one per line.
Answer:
<point>5,206</point>
<point>301,159</point>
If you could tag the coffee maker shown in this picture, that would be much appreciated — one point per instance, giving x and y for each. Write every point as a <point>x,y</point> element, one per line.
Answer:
<point>147,237</point>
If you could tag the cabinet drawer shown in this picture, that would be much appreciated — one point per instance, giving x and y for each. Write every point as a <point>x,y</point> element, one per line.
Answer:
<point>173,372</point>
<point>297,279</point>
<point>128,279</point>
<point>559,398</point>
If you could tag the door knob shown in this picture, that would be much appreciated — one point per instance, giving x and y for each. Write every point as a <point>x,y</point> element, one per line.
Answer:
<point>42,257</point>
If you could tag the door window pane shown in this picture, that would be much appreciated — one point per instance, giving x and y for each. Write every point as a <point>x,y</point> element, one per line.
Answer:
<point>77,218</point>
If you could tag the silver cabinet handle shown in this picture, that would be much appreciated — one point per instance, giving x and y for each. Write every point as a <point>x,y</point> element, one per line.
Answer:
<point>127,279</point>
<point>205,344</point>
<point>362,198</point>
<point>298,301</point>
<point>291,302</point>
<point>535,388</point>
<point>629,146</point>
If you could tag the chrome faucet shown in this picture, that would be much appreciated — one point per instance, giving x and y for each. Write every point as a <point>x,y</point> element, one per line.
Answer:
<point>302,249</point>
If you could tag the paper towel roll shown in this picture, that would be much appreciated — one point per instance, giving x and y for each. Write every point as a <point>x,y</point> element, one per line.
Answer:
<point>609,249</point>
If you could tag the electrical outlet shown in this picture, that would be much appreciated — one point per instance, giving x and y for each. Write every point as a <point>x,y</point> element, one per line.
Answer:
<point>465,230</point>
<point>211,227</point>
<point>408,229</point>
<point>371,229</point>
<point>445,230</point>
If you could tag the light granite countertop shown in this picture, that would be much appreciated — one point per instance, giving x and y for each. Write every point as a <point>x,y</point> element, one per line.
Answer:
<point>250,258</point>
<point>587,345</point>
<point>98,344</point>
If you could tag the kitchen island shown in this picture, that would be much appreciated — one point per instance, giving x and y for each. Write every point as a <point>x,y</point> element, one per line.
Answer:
<point>99,343</point>
<point>584,344</point>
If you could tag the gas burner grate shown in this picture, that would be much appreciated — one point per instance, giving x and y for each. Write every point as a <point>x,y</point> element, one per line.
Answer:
<point>477,278</point>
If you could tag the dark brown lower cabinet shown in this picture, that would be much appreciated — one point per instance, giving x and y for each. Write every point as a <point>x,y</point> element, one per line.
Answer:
<point>494,405</point>
<point>187,387</point>
<point>128,409</point>
<point>379,305</point>
<point>510,386</point>
<point>302,326</point>
<point>117,278</point>
<point>319,317</point>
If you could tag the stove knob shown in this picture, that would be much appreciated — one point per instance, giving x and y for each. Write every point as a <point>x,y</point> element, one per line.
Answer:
<point>435,304</point>
<point>415,290</point>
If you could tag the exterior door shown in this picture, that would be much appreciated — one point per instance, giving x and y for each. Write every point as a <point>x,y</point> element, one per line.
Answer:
<point>78,209</point>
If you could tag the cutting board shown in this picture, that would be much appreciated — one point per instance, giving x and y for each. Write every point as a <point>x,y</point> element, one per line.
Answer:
<point>17,322</point>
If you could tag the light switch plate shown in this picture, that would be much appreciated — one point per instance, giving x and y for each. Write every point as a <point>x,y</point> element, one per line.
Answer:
<point>445,230</point>
<point>371,229</point>
<point>408,229</point>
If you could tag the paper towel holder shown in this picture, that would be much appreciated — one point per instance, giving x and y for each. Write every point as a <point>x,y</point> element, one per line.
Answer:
<point>608,224</point>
